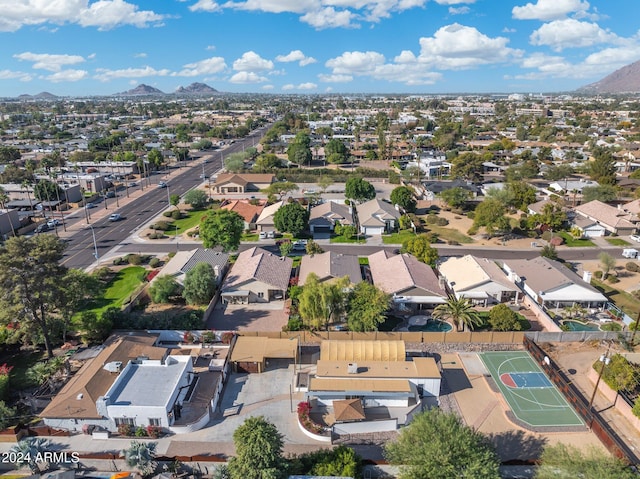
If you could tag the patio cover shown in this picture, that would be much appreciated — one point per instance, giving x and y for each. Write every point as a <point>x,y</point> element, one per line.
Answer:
<point>574,293</point>
<point>348,410</point>
<point>255,349</point>
<point>360,350</point>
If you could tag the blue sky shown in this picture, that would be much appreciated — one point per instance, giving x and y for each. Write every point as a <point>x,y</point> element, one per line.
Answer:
<point>87,47</point>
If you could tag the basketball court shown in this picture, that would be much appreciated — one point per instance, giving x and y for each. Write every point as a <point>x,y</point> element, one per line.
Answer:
<point>533,398</point>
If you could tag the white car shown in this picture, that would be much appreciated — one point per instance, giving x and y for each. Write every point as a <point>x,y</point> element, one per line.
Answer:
<point>635,238</point>
<point>162,184</point>
<point>115,217</point>
<point>53,223</point>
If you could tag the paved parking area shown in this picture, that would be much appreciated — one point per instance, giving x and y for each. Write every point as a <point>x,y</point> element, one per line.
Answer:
<point>248,317</point>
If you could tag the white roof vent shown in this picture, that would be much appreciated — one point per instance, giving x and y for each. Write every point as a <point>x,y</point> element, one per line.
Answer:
<point>352,368</point>
<point>113,366</point>
<point>79,396</point>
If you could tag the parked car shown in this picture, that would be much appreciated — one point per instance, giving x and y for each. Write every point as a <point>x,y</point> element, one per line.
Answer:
<point>53,223</point>
<point>262,235</point>
<point>110,194</point>
<point>91,205</point>
<point>115,217</point>
<point>635,238</point>
<point>300,245</point>
<point>271,234</point>
<point>42,227</point>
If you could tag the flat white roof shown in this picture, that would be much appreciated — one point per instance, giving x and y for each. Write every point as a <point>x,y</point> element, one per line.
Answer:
<point>148,382</point>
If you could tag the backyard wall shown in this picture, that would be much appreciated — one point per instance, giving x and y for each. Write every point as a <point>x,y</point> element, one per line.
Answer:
<point>619,403</point>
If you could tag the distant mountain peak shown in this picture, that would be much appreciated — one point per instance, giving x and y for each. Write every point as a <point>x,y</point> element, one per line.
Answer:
<point>141,90</point>
<point>623,80</point>
<point>196,88</point>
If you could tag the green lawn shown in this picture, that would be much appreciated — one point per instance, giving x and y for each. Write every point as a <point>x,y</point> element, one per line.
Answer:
<point>617,242</point>
<point>191,220</point>
<point>363,261</point>
<point>450,234</point>
<point>119,289</point>
<point>250,237</point>
<point>342,239</point>
<point>573,242</point>
<point>399,237</point>
<point>625,301</point>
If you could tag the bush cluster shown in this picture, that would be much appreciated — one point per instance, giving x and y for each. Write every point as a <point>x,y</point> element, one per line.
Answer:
<point>304,409</point>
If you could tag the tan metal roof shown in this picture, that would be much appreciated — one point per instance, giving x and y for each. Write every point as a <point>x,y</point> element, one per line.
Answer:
<point>364,385</point>
<point>360,350</point>
<point>256,350</point>
<point>348,410</point>
<point>418,368</point>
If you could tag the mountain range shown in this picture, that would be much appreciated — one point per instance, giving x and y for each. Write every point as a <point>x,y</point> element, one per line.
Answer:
<point>623,80</point>
<point>193,89</point>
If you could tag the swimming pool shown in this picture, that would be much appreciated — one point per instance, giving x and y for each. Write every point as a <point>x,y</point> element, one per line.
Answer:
<point>432,326</point>
<point>578,326</point>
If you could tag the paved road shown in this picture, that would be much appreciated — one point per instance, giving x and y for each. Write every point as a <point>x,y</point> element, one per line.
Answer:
<point>148,203</point>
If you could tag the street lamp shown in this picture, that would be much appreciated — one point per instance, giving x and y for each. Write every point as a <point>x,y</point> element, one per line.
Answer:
<point>604,359</point>
<point>176,237</point>
<point>95,244</point>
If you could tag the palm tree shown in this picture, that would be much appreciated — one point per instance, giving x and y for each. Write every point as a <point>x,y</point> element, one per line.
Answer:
<point>31,448</point>
<point>459,311</point>
<point>141,455</point>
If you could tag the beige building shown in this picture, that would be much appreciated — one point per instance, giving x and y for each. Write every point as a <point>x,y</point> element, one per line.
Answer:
<point>241,183</point>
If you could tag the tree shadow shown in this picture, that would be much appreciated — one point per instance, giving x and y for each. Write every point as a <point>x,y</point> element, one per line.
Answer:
<point>517,446</point>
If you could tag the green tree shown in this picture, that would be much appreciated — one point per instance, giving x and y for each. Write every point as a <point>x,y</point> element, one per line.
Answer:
<point>604,193</point>
<point>280,188</point>
<point>222,228</point>
<point>266,162</point>
<point>437,444</point>
<point>553,215</point>
<point>619,374</point>
<point>174,200</point>
<point>562,460</point>
<point>199,284</point>
<point>285,248</point>
<point>403,196</point>
<point>501,318</point>
<point>9,154</point>
<point>558,172</point>
<point>45,190</point>
<point>78,288</point>
<point>291,218</point>
<point>234,163</point>
<point>155,158</point>
<point>163,289</point>
<point>549,251</point>
<point>141,456</point>
<point>490,214</point>
<point>607,263</point>
<point>313,248</point>
<point>468,166</point>
<point>455,197</point>
<point>367,307</point>
<point>603,167</point>
<point>7,415</point>
<point>336,151</point>
<point>459,311</point>
<point>319,302</point>
<point>359,190</point>
<point>341,461</point>
<point>95,328</point>
<point>522,194</point>
<point>31,281</point>
<point>299,150</point>
<point>258,451</point>
<point>197,199</point>
<point>420,247</point>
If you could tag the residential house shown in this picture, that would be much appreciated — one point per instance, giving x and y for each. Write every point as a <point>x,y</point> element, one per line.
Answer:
<point>257,276</point>
<point>241,183</point>
<point>185,261</point>
<point>551,284</point>
<point>434,188</point>
<point>265,220</point>
<point>569,186</point>
<point>588,227</point>
<point>478,279</point>
<point>250,354</point>
<point>323,218</point>
<point>412,284</point>
<point>376,217</point>
<point>330,266</point>
<point>248,211</point>
<point>614,220</point>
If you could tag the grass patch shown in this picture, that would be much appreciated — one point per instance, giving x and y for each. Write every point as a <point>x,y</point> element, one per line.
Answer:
<point>21,361</point>
<point>623,300</point>
<point>399,237</point>
<point>390,323</point>
<point>250,237</point>
<point>119,289</point>
<point>450,234</point>
<point>525,325</point>
<point>617,242</point>
<point>296,261</point>
<point>611,327</point>
<point>342,239</point>
<point>572,242</point>
<point>363,261</point>
<point>191,220</point>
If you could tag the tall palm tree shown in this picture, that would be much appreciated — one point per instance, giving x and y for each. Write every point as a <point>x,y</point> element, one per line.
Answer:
<point>459,311</point>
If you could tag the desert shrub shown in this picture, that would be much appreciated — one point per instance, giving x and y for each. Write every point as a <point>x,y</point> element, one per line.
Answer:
<point>442,221</point>
<point>153,432</point>
<point>546,235</point>
<point>154,262</point>
<point>156,235</point>
<point>556,240</point>
<point>431,219</point>
<point>167,213</point>
<point>472,231</point>
<point>125,430</point>
<point>294,324</point>
<point>161,225</point>
<point>176,214</point>
<point>119,261</point>
<point>636,407</point>
<point>103,273</point>
<point>134,259</point>
<point>471,215</point>
<point>597,274</point>
<point>612,279</point>
<point>631,266</point>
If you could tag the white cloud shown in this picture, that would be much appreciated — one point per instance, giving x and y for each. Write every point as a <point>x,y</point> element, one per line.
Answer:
<point>210,47</point>
<point>459,10</point>
<point>546,10</point>
<point>296,56</point>
<point>267,87</point>
<point>301,86</point>
<point>11,75</point>
<point>104,74</point>
<point>67,76</point>
<point>207,66</point>
<point>453,2</point>
<point>247,77</point>
<point>50,62</point>
<point>355,63</point>
<point>335,78</point>
<point>508,30</point>
<point>329,17</point>
<point>104,14</point>
<point>252,62</point>
<point>205,6</point>
<point>140,55</point>
<point>570,33</point>
<point>458,47</point>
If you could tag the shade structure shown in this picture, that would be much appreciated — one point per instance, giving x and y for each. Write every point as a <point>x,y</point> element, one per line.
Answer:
<point>346,410</point>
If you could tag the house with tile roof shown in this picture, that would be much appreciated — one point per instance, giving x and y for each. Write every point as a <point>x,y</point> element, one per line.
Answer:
<point>330,266</point>
<point>413,285</point>
<point>324,217</point>
<point>248,211</point>
<point>614,220</point>
<point>265,220</point>
<point>480,280</point>
<point>234,183</point>
<point>257,276</point>
<point>551,284</point>
<point>376,217</point>
<point>185,261</point>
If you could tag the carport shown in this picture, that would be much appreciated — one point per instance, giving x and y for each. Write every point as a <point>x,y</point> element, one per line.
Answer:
<point>250,354</point>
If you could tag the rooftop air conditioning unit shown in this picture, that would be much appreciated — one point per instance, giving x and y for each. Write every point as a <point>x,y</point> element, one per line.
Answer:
<point>352,368</point>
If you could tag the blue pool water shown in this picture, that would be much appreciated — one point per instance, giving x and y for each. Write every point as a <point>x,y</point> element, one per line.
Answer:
<point>432,326</point>
<point>578,326</point>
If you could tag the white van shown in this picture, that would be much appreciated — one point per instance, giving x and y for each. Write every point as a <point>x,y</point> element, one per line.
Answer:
<point>630,253</point>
